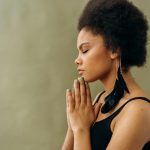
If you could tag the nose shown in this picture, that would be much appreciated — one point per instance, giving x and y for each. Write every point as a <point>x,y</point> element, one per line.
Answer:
<point>78,60</point>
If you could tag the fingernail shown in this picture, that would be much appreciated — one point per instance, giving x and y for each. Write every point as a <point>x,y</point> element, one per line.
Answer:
<point>81,79</point>
<point>68,90</point>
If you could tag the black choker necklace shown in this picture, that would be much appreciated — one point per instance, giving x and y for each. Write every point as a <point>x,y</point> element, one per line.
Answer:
<point>117,93</point>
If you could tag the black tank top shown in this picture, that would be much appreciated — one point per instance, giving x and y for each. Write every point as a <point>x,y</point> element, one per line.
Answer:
<point>101,132</point>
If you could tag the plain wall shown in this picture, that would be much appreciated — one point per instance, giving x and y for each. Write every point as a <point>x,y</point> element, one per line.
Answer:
<point>37,52</point>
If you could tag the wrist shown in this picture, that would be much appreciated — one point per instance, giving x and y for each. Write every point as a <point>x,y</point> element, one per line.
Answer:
<point>81,131</point>
<point>82,139</point>
<point>70,133</point>
<point>69,130</point>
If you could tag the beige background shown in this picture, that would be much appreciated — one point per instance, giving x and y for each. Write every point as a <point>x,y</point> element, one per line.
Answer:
<point>37,52</point>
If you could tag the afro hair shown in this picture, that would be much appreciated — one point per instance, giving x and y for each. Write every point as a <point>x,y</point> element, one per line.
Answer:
<point>122,25</point>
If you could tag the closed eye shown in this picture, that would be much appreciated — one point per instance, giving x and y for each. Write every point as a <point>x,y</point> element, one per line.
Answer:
<point>84,51</point>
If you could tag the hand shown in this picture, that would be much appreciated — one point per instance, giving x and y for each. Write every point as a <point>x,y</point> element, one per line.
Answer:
<point>81,114</point>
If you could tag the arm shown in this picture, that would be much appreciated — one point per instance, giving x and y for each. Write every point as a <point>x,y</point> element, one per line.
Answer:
<point>81,114</point>
<point>132,130</point>
<point>68,143</point>
<point>82,140</point>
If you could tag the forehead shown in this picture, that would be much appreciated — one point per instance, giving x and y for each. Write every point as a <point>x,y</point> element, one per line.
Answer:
<point>86,36</point>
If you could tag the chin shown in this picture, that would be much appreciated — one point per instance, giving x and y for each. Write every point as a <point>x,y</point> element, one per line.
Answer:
<point>88,79</point>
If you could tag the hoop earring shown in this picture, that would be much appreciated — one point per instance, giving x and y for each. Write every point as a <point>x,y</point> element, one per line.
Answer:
<point>117,93</point>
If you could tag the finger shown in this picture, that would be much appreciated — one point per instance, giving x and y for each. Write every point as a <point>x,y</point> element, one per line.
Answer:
<point>89,99</point>
<point>77,93</point>
<point>70,100</point>
<point>67,101</point>
<point>68,108</point>
<point>83,91</point>
<point>73,93</point>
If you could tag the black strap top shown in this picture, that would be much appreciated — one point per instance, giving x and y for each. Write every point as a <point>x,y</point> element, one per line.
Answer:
<point>101,132</point>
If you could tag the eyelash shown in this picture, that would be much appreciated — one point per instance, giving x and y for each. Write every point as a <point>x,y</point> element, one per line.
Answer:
<point>85,51</point>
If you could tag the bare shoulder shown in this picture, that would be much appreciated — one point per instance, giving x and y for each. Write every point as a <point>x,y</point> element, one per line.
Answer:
<point>132,128</point>
<point>137,109</point>
<point>139,105</point>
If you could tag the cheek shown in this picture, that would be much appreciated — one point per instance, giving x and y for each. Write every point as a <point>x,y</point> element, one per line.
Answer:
<point>101,60</point>
<point>100,65</point>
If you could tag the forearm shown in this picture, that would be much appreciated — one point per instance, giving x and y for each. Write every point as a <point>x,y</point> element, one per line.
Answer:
<point>68,143</point>
<point>82,140</point>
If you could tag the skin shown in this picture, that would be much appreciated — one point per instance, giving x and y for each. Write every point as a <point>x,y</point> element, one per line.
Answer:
<point>131,128</point>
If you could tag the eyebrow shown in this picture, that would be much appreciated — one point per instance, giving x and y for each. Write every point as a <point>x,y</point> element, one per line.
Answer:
<point>80,46</point>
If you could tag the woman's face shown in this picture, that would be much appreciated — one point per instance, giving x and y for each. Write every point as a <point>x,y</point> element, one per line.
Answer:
<point>93,58</point>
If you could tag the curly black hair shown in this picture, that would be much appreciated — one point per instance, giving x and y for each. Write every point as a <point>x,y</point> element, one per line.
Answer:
<point>122,25</point>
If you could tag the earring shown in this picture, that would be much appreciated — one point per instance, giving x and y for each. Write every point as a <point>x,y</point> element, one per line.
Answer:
<point>117,93</point>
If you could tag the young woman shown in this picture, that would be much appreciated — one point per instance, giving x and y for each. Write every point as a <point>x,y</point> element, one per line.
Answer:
<point>112,38</point>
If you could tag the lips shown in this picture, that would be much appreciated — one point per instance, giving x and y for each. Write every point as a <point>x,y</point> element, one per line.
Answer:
<point>80,71</point>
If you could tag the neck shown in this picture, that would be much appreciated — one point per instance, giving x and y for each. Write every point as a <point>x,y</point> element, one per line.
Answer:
<point>109,81</point>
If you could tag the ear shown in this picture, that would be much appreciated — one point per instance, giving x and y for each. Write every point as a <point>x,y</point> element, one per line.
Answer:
<point>114,54</point>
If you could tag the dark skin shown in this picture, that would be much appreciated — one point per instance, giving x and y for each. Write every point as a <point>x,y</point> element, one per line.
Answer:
<point>79,104</point>
<point>80,122</point>
<point>101,64</point>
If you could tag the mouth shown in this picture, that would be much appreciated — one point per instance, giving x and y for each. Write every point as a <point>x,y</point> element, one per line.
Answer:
<point>80,72</point>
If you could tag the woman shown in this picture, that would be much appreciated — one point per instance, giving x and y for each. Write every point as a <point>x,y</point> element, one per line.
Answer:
<point>112,38</point>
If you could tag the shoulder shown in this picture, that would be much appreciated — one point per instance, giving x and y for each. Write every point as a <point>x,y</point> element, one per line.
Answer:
<point>136,111</point>
<point>132,128</point>
<point>137,108</point>
<point>136,115</point>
